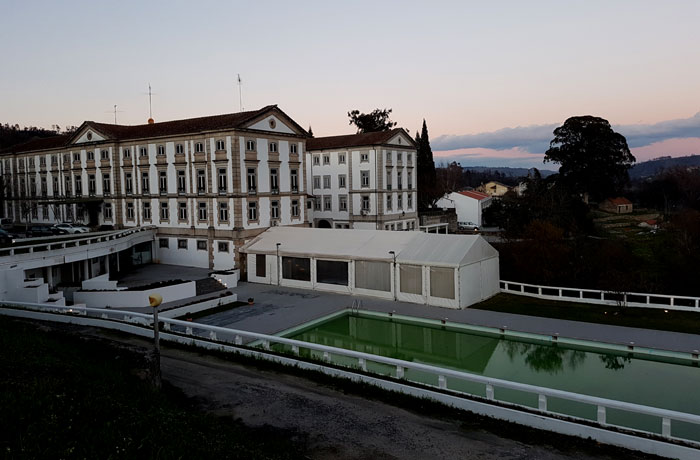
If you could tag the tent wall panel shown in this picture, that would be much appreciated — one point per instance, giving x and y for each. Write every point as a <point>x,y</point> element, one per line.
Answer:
<point>469,284</point>
<point>490,275</point>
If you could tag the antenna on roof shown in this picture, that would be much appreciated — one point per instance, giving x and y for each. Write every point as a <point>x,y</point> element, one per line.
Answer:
<point>114,111</point>
<point>240,93</point>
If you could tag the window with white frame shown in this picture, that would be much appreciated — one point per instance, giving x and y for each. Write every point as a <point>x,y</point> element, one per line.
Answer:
<point>143,152</point>
<point>364,178</point>
<point>223,246</point>
<point>252,210</point>
<point>389,201</point>
<point>326,181</point>
<point>399,180</point>
<point>201,181</point>
<point>202,210</point>
<point>294,180</point>
<point>326,159</point>
<point>182,244</point>
<point>250,145</point>
<point>147,211</point>
<point>364,157</point>
<point>272,147</point>
<point>223,180</point>
<point>76,157</point>
<point>220,145</point>
<point>343,202</point>
<point>252,180</point>
<point>317,182</point>
<point>161,150</point>
<point>388,179</point>
<point>55,186</point>
<point>275,209</point>
<point>179,149</point>
<point>410,180</point>
<point>130,211</point>
<point>78,186</point>
<point>199,147</point>
<point>293,149</point>
<point>316,160</point>
<point>365,202</point>
<point>341,158</point>
<point>327,203</point>
<point>201,245</point>
<point>388,157</point>
<point>341,180</point>
<point>90,155</point>
<point>274,183</point>
<point>223,212</point>
<point>104,155</point>
<point>182,210</point>
<point>163,181</point>
<point>409,200</point>
<point>128,185</point>
<point>54,160</point>
<point>66,158</point>
<point>295,208</point>
<point>126,153</point>
<point>409,158</point>
<point>181,182</point>
<point>92,184</point>
<point>317,203</point>
<point>145,184</point>
<point>399,201</point>
<point>164,210</point>
<point>399,156</point>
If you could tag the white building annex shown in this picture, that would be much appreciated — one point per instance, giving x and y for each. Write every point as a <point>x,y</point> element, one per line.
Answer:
<point>363,181</point>
<point>453,271</point>
<point>469,205</point>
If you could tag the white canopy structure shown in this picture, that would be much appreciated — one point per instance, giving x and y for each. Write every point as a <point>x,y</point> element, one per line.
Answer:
<point>452,271</point>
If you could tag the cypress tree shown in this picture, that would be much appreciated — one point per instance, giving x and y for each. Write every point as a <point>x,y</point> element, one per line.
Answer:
<point>426,169</point>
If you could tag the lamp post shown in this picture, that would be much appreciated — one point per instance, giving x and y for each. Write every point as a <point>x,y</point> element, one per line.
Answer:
<point>393,254</point>
<point>278,263</point>
<point>154,300</point>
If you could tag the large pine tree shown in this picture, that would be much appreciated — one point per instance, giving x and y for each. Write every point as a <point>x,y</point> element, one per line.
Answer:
<point>427,183</point>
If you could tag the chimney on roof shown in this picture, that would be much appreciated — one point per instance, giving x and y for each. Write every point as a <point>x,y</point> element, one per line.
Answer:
<point>151,121</point>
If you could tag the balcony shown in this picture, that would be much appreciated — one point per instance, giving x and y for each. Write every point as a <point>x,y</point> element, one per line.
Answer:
<point>275,191</point>
<point>252,191</point>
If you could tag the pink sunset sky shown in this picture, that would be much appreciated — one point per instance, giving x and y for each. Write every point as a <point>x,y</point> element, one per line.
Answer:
<point>492,79</point>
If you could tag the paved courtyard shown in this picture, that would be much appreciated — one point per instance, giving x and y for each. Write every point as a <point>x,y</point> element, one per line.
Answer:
<point>279,308</point>
<point>154,273</point>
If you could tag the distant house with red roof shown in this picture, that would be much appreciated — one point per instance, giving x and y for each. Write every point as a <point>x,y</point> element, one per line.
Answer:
<point>468,204</point>
<point>619,205</point>
<point>494,188</point>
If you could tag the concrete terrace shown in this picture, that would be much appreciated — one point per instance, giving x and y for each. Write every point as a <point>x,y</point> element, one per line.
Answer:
<point>279,308</point>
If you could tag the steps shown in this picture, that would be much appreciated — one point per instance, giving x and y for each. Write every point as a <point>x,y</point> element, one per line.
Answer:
<point>208,285</point>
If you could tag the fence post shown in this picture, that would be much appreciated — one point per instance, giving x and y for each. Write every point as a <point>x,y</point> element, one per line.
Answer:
<point>362,363</point>
<point>442,382</point>
<point>295,349</point>
<point>399,372</point>
<point>489,391</point>
<point>601,415</point>
<point>542,402</point>
<point>666,427</point>
<point>238,340</point>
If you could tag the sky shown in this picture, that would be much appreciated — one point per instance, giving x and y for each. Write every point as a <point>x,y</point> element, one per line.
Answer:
<point>491,79</point>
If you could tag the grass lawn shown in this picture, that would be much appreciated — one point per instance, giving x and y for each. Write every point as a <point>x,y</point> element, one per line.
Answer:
<point>62,397</point>
<point>647,318</point>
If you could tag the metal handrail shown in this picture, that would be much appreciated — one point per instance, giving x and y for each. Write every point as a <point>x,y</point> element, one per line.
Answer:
<point>442,373</point>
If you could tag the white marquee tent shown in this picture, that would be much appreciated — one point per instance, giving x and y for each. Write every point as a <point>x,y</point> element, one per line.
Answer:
<point>452,271</point>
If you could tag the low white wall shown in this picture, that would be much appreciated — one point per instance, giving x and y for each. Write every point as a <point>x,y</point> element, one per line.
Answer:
<point>230,280</point>
<point>133,299</point>
<point>101,282</point>
<point>198,307</point>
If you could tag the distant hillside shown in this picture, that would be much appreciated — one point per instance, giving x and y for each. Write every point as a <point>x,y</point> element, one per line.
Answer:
<point>507,171</point>
<point>653,167</point>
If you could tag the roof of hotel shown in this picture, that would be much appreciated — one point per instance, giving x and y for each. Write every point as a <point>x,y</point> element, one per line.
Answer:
<point>474,194</point>
<point>412,247</point>
<point>355,140</point>
<point>160,129</point>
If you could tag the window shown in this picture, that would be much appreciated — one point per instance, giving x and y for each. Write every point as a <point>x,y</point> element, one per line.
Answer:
<point>42,161</point>
<point>76,157</point>
<point>181,181</point>
<point>90,155</point>
<point>182,211</point>
<point>399,156</point>
<point>164,211</point>
<point>199,147</point>
<point>388,179</point>
<point>252,180</point>
<point>78,186</point>
<point>296,268</point>
<point>127,153</point>
<point>250,145</point>
<point>410,180</point>
<point>92,184</point>
<point>260,265</point>
<point>163,182</point>
<point>399,181</point>
<point>332,272</point>
<point>161,150</point>
<point>273,147</point>
<point>130,211</point>
<point>201,245</point>
<point>388,157</point>
<point>317,182</point>
<point>327,206</point>
<point>316,160</point>
<point>341,158</point>
<point>317,203</point>
<point>54,160</point>
<point>163,242</point>
<point>182,244</point>
<point>341,180</point>
<point>295,208</point>
<point>222,180</point>
<point>104,155</point>
<point>293,149</point>
<point>442,282</point>
<point>179,149</point>
<point>202,210</point>
<point>399,201</point>
<point>364,178</point>
<point>108,211</point>
<point>127,183</point>
<point>389,201</point>
<point>32,186</point>
<point>223,246</point>
<point>106,184</point>
<point>44,187</point>
<point>326,181</point>
<point>343,202</point>
<point>220,145</point>
<point>373,275</point>
<point>326,159</point>
<point>147,211</point>
<point>294,180</point>
<point>252,210</point>
<point>275,209</point>
<point>55,186</point>
<point>411,279</point>
<point>143,152</point>
<point>364,157</point>
<point>223,212</point>
<point>66,158</point>
<point>145,185</point>
<point>409,201</point>
<point>365,203</point>
<point>274,186</point>
<point>201,181</point>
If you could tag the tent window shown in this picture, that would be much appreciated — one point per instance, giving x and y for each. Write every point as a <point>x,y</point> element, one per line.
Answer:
<point>373,275</point>
<point>296,268</point>
<point>260,265</point>
<point>332,272</point>
<point>411,279</point>
<point>442,282</point>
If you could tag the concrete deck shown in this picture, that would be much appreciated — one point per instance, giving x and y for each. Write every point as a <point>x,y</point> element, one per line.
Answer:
<point>279,308</point>
<point>153,273</point>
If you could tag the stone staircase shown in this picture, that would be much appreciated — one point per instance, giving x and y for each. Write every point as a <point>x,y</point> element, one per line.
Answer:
<point>208,285</point>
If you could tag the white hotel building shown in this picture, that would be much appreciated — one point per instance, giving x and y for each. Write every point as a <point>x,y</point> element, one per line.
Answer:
<point>208,184</point>
<point>363,181</point>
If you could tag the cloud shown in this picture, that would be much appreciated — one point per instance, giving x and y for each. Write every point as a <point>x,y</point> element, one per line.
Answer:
<point>535,139</point>
<point>514,157</point>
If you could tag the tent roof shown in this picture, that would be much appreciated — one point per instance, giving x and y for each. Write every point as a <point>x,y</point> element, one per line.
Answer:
<point>410,247</point>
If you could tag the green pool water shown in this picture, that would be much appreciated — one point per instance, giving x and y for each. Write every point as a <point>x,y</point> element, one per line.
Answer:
<point>617,376</point>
